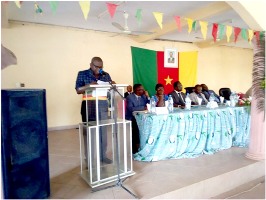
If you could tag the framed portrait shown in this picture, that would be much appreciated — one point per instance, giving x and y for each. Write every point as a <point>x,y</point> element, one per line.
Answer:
<point>170,58</point>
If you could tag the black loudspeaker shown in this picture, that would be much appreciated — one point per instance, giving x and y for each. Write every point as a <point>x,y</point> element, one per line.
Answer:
<point>24,144</point>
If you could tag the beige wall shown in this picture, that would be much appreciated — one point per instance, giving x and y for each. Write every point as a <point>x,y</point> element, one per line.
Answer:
<point>50,57</point>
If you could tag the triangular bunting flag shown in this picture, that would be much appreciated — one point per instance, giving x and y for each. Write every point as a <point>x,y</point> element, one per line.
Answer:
<point>244,34</point>
<point>53,5</point>
<point>229,31</point>
<point>111,8</point>
<point>194,25</point>
<point>189,23</point>
<point>214,31</point>
<point>221,30</point>
<point>204,28</point>
<point>237,30</point>
<point>85,7</point>
<point>139,16</point>
<point>262,33</point>
<point>18,3</point>
<point>250,35</point>
<point>257,34</point>
<point>38,10</point>
<point>178,23</point>
<point>159,18</point>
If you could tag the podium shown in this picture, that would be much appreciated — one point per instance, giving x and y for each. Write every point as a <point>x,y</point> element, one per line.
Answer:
<point>105,134</point>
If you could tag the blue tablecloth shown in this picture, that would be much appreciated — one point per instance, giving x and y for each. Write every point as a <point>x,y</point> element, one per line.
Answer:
<point>188,134</point>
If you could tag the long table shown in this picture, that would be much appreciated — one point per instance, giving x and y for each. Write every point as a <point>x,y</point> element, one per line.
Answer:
<point>190,133</point>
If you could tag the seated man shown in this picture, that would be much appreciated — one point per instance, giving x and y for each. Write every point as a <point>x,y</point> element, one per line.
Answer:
<point>178,95</point>
<point>197,94</point>
<point>128,92</point>
<point>208,92</point>
<point>136,101</point>
<point>160,97</point>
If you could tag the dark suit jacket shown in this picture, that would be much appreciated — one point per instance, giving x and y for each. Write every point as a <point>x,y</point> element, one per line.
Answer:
<point>208,93</point>
<point>126,94</point>
<point>177,100</point>
<point>133,104</point>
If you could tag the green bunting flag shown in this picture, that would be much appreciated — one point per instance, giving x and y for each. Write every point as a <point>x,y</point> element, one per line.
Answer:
<point>244,34</point>
<point>53,5</point>
<point>194,25</point>
<point>221,31</point>
<point>139,16</point>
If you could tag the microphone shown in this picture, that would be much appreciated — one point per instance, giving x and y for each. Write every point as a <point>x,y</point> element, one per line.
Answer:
<point>102,72</point>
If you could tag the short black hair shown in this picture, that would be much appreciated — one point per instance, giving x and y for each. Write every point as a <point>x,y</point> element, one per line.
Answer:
<point>198,85</point>
<point>175,83</point>
<point>135,86</point>
<point>96,58</point>
<point>158,85</point>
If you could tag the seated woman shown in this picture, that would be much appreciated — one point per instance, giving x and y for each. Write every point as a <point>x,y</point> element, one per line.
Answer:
<point>160,97</point>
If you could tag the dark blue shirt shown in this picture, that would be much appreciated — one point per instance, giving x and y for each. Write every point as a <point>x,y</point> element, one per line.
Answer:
<point>86,77</point>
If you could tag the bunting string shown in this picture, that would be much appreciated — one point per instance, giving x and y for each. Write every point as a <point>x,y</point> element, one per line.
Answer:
<point>218,30</point>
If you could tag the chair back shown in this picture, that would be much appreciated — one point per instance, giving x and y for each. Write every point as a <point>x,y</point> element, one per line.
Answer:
<point>225,92</point>
<point>189,89</point>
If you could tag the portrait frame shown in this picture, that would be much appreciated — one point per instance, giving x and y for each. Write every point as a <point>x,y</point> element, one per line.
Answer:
<point>170,57</point>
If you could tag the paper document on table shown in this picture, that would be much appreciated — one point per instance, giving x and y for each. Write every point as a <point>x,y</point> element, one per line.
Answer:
<point>161,110</point>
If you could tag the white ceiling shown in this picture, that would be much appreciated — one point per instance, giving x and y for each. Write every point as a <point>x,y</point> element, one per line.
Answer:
<point>69,14</point>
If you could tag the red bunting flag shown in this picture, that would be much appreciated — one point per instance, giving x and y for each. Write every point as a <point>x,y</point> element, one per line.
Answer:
<point>111,8</point>
<point>257,34</point>
<point>178,23</point>
<point>236,31</point>
<point>214,31</point>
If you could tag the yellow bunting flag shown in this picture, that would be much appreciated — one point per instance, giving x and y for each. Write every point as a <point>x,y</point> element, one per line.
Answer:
<point>204,28</point>
<point>189,23</point>
<point>85,7</point>
<point>250,35</point>
<point>159,18</point>
<point>18,4</point>
<point>229,31</point>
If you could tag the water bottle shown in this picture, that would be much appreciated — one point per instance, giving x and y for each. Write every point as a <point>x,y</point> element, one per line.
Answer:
<point>236,97</point>
<point>170,104</point>
<point>212,98</point>
<point>232,99</point>
<point>187,103</point>
<point>153,104</point>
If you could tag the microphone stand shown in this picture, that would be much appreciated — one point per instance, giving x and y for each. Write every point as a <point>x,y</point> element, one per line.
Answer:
<point>119,182</point>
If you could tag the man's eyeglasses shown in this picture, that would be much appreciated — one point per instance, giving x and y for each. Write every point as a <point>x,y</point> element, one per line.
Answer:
<point>97,66</point>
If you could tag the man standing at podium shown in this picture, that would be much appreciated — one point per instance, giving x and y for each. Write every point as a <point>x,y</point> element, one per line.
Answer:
<point>84,79</point>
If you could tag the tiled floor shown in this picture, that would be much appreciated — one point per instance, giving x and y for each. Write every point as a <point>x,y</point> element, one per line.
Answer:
<point>151,179</point>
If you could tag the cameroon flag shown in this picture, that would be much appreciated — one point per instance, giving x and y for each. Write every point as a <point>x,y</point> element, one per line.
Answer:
<point>148,69</point>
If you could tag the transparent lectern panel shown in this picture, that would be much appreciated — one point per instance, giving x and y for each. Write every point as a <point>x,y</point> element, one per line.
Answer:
<point>97,111</point>
<point>105,138</point>
<point>99,143</point>
<point>129,146</point>
<point>101,153</point>
<point>117,104</point>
